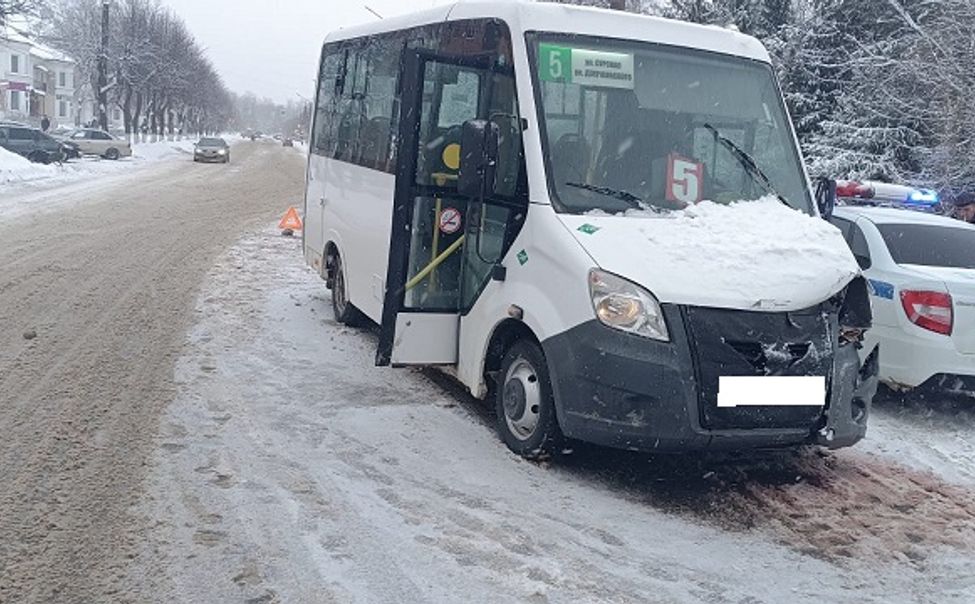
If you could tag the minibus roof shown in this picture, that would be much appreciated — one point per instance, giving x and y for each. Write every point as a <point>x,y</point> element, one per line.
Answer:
<point>524,16</point>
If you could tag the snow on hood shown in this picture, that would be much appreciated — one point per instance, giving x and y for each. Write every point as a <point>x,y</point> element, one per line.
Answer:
<point>750,255</point>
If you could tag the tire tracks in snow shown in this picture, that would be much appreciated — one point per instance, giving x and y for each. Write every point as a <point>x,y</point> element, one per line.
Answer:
<point>79,405</point>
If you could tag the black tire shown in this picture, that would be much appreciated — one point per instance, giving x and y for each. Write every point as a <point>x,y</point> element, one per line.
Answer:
<point>525,389</point>
<point>112,154</point>
<point>39,157</point>
<point>343,310</point>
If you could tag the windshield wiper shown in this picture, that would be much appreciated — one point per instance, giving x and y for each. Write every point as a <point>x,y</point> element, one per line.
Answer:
<point>748,163</point>
<point>635,202</point>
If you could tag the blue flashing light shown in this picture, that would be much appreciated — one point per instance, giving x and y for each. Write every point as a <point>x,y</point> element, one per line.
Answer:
<point>923,197</point>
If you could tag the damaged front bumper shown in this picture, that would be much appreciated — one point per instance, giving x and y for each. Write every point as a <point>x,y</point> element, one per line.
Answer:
<point>624,391</point>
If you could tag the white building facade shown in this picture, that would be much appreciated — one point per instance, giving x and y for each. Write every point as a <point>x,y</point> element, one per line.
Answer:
<point>38,81</point>
<point>16,78</point>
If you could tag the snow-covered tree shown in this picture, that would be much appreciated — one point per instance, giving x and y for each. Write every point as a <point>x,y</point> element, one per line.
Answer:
<point>11,8</point>
<point>160,78</point>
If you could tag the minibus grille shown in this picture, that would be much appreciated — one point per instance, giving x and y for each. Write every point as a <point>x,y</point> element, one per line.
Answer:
<point>740,343</point>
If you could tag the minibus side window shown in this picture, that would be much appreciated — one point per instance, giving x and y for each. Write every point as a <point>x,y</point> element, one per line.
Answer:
<point>329,90</point>
<point>382,74</point>
<point>351,109</point>
<point>358,102</point>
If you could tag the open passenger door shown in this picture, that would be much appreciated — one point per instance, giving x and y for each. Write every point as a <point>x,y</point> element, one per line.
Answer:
<point>429,273</point>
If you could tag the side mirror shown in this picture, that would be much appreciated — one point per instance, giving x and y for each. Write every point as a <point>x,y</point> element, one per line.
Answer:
<point>825,196</point>
<point>479,144</point>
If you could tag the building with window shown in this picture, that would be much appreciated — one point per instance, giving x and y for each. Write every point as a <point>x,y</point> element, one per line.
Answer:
<point>36,80</point>
<point>54,93</point>
<point>16,75</point>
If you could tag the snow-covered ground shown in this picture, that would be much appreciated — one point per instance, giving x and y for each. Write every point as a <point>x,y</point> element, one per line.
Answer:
<point>16,170</point>
<point>926,432</point>
<point>290,468</point>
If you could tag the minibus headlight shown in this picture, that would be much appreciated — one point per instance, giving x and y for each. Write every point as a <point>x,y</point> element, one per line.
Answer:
<point>626,306</point>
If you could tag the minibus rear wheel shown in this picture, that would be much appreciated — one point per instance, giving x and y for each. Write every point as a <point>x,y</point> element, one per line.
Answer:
<point>344,311</point>
<point>525,404</point>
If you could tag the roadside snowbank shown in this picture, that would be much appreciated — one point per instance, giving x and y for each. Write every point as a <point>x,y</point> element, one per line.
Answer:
<point>14,168</point>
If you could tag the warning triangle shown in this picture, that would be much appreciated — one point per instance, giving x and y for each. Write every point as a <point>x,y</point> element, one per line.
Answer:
<point>291,220</point>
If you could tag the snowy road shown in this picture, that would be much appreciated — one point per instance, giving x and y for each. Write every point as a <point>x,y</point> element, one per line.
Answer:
<point>290,469</point>
<point>101,278</point>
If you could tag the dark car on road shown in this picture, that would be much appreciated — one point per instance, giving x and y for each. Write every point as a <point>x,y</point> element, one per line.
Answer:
<point>212,150</point>
<point>31,143</point>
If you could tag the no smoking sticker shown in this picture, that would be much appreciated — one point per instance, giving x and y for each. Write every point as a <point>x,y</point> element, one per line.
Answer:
<point>450,221</point>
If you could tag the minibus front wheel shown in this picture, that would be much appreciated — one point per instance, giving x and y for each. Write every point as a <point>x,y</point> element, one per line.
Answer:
<point>525,404</point>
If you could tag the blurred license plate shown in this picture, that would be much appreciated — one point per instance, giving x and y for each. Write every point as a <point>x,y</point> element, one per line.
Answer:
<point>771,391</point>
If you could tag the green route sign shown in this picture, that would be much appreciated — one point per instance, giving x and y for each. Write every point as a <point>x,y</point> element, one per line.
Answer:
<point>585,67</point>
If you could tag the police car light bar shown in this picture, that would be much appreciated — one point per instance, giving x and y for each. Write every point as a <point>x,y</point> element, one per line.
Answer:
<point>851,188</point>
<point>925,197</point>
<point>887,195</point>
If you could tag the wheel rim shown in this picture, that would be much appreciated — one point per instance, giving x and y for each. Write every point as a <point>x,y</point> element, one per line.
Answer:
<point>338,290</point>
<point>521,399</point>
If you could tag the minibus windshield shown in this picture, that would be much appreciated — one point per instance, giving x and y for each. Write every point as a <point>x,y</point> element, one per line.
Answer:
<point>638,126</point>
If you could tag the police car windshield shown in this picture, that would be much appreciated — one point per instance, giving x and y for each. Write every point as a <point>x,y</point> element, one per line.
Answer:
<point>930,245</point>
<point>640,119</point>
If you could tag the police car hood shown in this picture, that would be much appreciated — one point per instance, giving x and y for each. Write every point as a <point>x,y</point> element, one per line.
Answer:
<point>751,255</point>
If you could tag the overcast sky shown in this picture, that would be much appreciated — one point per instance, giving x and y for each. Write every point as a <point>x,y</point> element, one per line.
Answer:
<point>271,47</point>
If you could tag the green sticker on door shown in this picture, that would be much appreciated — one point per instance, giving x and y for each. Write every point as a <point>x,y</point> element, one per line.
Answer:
<point>522,257</point>
<point>585,67</point>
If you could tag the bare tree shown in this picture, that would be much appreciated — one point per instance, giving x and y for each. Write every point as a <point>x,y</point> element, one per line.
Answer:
<point>9,8</point>
<point>160,79</point>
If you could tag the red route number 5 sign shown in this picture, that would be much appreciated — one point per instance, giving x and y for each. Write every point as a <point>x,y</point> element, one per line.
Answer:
<point>685,179</point>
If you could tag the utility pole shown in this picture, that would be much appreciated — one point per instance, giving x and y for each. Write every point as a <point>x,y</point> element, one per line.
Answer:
<point>102,92</point>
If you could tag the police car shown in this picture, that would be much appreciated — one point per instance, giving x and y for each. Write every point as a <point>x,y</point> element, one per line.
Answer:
<point>921,272</point>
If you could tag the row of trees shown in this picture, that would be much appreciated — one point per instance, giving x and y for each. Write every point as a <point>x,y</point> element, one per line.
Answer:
<point>877,88</point>
<point>158,75</point>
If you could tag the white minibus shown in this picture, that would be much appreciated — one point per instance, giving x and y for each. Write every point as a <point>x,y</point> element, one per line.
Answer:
<point>600,221</point>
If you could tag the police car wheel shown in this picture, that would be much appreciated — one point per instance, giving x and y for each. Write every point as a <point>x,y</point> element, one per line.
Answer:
<point>525,404</point>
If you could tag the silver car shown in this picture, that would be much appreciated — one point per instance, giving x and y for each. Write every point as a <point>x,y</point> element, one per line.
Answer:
<point>90,141</point>
<point>212,150</point>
